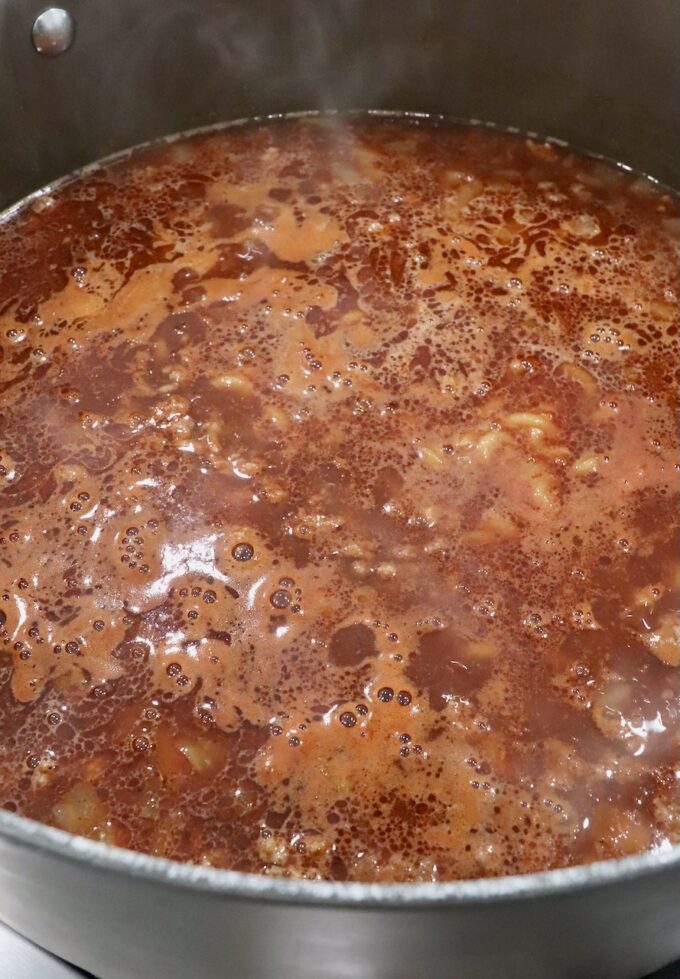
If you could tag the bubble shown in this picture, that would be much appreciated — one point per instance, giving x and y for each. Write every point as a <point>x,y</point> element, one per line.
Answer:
<point>348,719</point>
<point>385,694</point>
<point>243,551</point>
<point>280,598</point>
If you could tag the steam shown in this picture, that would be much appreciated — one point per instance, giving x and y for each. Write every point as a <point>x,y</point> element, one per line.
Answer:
<point>140,69</point>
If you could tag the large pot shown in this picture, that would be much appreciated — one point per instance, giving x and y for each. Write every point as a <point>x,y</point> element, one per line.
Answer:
<point>603,75</point>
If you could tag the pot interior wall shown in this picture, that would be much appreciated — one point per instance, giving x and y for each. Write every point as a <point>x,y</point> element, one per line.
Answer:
<point>604,76</point>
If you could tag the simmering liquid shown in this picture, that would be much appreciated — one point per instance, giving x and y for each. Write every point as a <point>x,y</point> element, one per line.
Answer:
<point>339,487</point>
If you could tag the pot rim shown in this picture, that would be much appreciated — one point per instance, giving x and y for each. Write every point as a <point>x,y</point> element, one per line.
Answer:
<point>59,844</point>
<point>414,116</point>
<point>56,843</point>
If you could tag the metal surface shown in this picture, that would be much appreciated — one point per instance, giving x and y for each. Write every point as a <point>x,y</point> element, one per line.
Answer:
<point>21,959</point>
<point>126,916</point>
<point>53,32</point>
<point>606,77</point>
<point>603,75</point>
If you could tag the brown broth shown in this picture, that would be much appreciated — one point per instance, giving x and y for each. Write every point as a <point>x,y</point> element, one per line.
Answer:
<point>339,483</point>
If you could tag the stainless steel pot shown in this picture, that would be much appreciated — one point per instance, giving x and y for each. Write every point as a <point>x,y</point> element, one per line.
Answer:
<point>605,76</point>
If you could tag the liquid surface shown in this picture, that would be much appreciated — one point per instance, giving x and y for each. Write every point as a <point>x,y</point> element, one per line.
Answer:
<point>339,486</point>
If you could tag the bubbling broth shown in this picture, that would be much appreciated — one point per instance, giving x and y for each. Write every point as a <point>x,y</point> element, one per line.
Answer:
<point>339,484</point>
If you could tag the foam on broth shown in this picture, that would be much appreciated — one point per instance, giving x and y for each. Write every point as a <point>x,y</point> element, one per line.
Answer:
<point>339,486</point>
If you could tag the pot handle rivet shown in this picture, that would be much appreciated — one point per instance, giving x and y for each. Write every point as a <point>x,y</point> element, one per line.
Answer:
<point>53,31</point>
